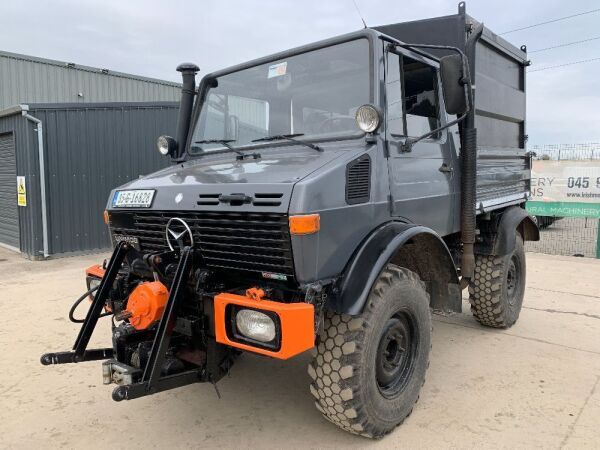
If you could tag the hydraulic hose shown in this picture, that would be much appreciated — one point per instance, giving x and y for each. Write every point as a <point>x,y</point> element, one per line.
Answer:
<point>77,303</point>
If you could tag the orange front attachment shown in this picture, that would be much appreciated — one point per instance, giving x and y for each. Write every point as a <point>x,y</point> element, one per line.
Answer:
<point>95,271</point>
<point>296,320</point>
<point>146,304</point>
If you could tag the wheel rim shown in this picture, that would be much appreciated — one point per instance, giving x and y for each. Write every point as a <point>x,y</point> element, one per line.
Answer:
<point>396,354</point>
<point>512,281</point>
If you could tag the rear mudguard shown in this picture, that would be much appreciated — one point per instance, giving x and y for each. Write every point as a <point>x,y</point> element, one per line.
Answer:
<point>415,247</point>
<point>498,238</point>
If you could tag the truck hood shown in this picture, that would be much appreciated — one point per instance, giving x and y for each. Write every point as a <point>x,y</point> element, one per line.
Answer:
<point>267,182</point>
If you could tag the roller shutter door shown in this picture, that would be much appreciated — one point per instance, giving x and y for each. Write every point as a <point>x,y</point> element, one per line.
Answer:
<point>9,211</point>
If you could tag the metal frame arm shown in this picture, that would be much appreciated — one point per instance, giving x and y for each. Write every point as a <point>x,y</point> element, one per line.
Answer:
<point>152,381</point>
<point>162,338</point>
<point>80,352</point>
<point>69,357</point>
<point>91,319</point>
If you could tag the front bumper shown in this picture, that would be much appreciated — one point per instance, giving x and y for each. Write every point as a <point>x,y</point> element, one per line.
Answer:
<point>294,324</point>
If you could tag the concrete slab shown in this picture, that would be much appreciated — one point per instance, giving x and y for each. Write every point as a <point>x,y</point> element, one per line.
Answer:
<point>535,385</point>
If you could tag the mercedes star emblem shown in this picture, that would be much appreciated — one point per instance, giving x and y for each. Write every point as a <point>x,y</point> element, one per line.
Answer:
<point>178,231</point>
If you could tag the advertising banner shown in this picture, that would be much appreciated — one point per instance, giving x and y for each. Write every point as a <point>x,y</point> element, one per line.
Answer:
<point>565,188</point>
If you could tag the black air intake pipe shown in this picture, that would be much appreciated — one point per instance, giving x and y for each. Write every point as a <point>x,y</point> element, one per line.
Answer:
<point>188,90</point>
<point>468,160</point>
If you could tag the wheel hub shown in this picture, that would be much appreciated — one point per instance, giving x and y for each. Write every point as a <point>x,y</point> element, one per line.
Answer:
<point>511,282</point>
<point>395,354</point>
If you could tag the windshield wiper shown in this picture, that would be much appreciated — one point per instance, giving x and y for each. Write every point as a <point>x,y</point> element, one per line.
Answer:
<point>223,142</point>
<point>226,143</point>
<point>289,137</point>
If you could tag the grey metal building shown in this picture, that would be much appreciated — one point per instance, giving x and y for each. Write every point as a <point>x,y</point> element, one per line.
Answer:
<point>59,162</point>
<point>28,79</point>
<point>85,131</point>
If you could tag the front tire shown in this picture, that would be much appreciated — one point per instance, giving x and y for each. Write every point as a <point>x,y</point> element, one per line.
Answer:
<point>497,289</point>
<point>368,370</point>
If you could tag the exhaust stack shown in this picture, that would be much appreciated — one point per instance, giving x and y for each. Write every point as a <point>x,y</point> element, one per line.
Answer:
<point>468,222</point>
<point>188,90</point>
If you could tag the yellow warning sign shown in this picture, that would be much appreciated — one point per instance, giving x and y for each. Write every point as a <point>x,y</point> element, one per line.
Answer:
<point>21,191</point>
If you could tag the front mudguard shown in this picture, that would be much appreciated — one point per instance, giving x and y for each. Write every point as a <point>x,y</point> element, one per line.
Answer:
<point>414,247</point>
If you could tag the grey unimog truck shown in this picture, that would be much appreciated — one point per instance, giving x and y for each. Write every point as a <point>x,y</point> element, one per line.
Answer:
<point>329,198</point>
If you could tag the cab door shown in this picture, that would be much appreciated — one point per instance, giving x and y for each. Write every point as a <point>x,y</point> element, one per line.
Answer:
<point>422,180</point>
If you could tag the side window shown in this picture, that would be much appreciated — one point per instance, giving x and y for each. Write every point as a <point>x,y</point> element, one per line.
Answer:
<point>393,94</point>
<point>420,97</point>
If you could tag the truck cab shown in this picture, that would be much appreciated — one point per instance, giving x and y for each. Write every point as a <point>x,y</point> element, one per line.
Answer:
<point>328,165</point>
<point>328,197</point>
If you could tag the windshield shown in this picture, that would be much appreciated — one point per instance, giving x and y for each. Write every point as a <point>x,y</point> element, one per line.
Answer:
<point>315,94</point>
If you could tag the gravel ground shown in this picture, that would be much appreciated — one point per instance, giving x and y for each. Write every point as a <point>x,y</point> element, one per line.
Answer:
<point>534,385</point>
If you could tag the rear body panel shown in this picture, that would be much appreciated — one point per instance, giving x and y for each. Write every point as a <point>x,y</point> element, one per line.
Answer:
<point>503,170</point>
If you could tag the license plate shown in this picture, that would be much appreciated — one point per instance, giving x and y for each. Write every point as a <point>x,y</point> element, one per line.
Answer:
<point>133,199</point>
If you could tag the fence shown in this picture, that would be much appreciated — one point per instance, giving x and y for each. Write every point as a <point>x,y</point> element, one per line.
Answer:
<point>567,152</point>
<point>566,199</point>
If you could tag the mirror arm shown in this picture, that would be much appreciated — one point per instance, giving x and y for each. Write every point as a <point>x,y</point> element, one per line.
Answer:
<point>409,142</point>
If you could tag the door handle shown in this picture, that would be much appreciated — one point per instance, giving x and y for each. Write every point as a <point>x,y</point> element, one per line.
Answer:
<point>445,168</point>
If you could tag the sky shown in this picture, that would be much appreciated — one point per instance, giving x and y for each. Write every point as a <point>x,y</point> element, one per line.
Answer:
<point>151,37</point>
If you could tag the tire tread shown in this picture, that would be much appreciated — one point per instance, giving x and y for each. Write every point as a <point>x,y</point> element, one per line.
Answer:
<point>486,296</point>
<point>333,369</point>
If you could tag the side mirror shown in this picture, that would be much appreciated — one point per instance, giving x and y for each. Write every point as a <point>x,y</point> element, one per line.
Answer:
<point>451,71</point>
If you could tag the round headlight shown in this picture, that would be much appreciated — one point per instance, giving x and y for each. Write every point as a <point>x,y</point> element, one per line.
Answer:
<point>166,145</point>
<point>255,325</point>
<point>367,118</point>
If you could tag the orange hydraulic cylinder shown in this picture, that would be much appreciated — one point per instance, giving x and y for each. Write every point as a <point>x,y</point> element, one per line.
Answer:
<point>146,304</point>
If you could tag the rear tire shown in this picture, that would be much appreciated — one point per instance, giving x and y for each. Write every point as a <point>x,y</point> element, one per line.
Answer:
<point>497,289</point>
<point>368,370</point>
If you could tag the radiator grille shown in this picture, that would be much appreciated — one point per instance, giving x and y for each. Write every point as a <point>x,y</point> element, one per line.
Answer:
<point>254,242</point>
<point>259,199</point>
